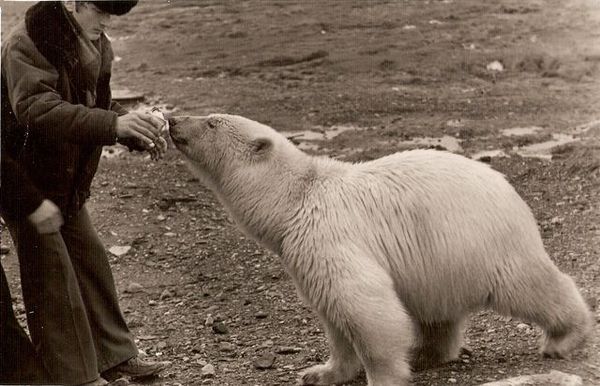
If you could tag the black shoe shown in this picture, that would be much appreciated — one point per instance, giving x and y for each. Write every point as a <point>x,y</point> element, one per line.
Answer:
<point>135,368</point>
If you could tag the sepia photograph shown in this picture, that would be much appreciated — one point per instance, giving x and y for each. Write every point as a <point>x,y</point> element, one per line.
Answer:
<point>300,192</point>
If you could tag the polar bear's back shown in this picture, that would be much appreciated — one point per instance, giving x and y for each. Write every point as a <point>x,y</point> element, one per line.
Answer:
<point>448,229</point>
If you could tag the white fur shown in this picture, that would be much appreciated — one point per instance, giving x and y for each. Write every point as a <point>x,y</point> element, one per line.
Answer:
<point>392,254</point>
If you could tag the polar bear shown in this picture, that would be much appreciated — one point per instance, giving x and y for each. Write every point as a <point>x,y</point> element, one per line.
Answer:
<point>392,254</point>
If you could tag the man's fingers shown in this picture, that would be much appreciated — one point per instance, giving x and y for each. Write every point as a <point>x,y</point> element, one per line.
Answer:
<point>146,129</point>
<point>154,120</point>
<point>152,123</point>
<point>143,137</point>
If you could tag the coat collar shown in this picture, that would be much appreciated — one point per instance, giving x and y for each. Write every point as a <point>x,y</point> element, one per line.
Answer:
<point>53,32</point>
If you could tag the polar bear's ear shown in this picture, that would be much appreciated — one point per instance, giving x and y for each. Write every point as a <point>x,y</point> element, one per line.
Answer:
<point>262,145</point>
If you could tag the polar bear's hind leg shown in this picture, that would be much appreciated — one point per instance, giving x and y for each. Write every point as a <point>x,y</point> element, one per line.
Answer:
<point>549,298</point>
<point>438,343</point>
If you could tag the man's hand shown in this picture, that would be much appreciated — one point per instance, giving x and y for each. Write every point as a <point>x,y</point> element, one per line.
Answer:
<point>46,218</point>
<point>143,130</point>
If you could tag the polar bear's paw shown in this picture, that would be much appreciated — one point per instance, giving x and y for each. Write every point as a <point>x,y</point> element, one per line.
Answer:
<point>560,347</point>
<point>560,344</point>
<point>326,375</point>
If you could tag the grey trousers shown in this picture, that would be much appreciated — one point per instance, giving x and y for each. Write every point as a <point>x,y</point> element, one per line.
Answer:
<point>73,314</point>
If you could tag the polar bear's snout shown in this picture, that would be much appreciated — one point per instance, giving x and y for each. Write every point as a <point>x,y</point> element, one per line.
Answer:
<point>184,128</point>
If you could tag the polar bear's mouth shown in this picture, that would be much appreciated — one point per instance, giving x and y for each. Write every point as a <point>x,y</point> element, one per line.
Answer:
<point>176,134</point>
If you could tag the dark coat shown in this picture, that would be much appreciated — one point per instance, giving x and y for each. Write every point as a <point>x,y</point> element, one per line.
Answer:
<point>18,196</point>
<point>50,124</point>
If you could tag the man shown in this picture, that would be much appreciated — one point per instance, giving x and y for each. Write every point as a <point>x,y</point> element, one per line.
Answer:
<point>57,113</point>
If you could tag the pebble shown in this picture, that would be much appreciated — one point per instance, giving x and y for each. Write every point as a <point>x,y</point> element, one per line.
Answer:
<point>261,315</point>
<point>220,328</point>
<point>495,66</point>
<point>452,380</point>
<point>265,361</point>
<point>120,382</point>
<point>466,352</point>
<point>208,371</point>
<point>166,294</point>
<point>134,287</point>
<point>209,320</point>
<point>226,347</point>
<point>119,250</point>
<point>522,326</point>
<point>284,350</point>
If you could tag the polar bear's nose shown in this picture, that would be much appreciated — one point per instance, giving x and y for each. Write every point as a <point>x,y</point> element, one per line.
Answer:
<point>174,120</point>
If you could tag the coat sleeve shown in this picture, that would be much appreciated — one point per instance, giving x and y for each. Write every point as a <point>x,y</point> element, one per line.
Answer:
<point>32,84</point>
<point>18,195</point>
<point>117,108</point>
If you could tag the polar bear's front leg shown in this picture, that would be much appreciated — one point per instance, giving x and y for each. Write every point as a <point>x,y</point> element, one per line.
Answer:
<point>343,364</point>
<point>357,297</point>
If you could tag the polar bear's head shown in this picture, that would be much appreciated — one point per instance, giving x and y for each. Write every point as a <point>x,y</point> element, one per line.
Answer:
<point>219,144</point>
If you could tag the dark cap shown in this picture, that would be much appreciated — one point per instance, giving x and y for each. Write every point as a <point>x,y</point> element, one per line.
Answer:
<point>118,7</point>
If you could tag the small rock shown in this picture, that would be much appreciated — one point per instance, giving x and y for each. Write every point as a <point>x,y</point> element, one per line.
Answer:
<point>485,159</point>
<point>4,249</point>
<point>119,250</point>
<point>466,352</point>
<point>452,380</point>
<point>209,321</point>
<point>120,382</point>
<point>220,328</point>
<point>265,361</point>
<point>226,347</point>
<point>166,294</point>
<point>495,66</point>
<point>208,371</point>
<point>284,350</point>
<point>161,345</point>
<point>134,287</point>
<point>261,315</point>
